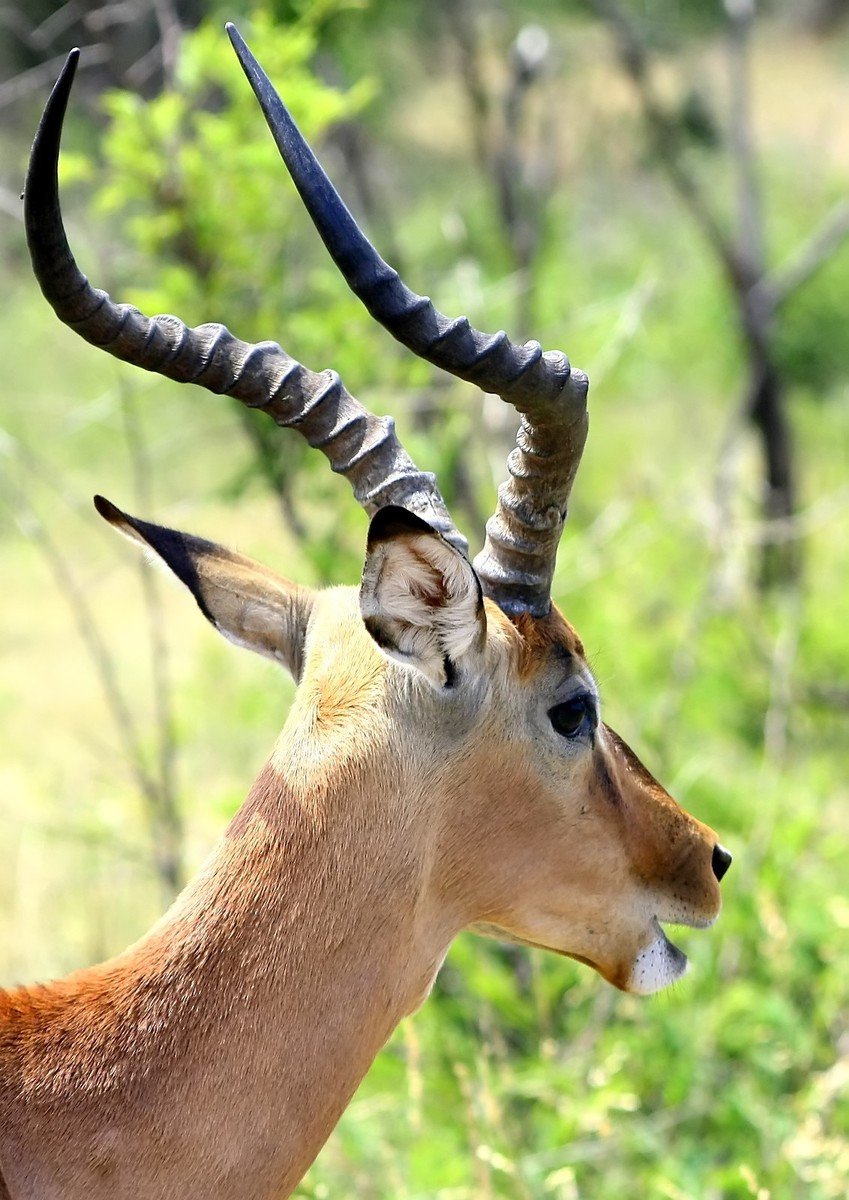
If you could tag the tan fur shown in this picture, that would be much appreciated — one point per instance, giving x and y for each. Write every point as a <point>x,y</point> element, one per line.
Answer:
<point>214,1057</point>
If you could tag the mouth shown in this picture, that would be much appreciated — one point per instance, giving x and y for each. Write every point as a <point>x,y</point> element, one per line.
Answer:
<point>658,964</point>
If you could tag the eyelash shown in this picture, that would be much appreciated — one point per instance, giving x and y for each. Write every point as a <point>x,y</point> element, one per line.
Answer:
<point>572,718</point>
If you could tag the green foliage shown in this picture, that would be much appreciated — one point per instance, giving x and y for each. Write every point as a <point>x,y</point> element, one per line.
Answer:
<point>199,168</point>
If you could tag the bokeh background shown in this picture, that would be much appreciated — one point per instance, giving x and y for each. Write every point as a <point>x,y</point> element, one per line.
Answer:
<point>661,188</point>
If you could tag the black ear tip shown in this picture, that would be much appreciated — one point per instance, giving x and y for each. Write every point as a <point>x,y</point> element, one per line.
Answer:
<point>109,511</point>
<point>392,521</point>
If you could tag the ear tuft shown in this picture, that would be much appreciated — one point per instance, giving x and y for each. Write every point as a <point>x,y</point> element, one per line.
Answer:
<point>420,598</point>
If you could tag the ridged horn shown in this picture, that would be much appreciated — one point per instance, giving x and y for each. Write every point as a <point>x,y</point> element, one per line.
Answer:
<point>358,445</point>
<point>516,565</point>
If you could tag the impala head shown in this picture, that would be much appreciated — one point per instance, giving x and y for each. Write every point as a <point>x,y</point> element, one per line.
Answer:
<point>462,680</point>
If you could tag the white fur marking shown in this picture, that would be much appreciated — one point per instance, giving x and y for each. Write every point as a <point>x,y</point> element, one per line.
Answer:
<point>656,966</point>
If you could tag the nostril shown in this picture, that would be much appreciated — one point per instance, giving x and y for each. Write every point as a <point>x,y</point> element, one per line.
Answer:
<point>720,860</point>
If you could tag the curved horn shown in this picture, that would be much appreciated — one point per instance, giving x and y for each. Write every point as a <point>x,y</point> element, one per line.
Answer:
<point>516,564</point>
<point>359,445</point>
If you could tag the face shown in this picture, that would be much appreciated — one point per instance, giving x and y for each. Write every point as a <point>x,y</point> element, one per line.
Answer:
<point>581,851</point>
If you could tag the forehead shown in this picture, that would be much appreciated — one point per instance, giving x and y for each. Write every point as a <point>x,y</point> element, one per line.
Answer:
<point>540,643</point>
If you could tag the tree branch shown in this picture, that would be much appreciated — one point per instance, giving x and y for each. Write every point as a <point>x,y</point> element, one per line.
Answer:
<point>166,820</point>
<point>779,285</point>
<point>751,249</point>
<point>665,138</point>
<point>45,73</point>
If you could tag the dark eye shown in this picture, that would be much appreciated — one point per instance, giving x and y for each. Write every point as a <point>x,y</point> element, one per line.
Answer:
<point>570,718</point>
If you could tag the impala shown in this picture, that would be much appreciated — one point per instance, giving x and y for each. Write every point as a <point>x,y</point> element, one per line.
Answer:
<point>443,767</point>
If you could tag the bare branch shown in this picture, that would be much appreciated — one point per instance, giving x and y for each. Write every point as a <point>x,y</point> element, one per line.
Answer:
<point>170,36</point>
<point>144,69</point>
<point>780,284</point>
<point>465,31</point>
<point>104,665</point>
<point>11,18</point>
<point>521,201</point>
<point>155,786</point>
<point>119,12</point>
<point>163,803</point>
<point>829,695</point>
<point>785,653</point>
<point>750,244</point>
<point>666,138</point>
<point>53,26</point>
<point>39,77</point>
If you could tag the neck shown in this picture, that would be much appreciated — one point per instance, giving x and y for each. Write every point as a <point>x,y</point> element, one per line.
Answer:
<point>229,1040</point>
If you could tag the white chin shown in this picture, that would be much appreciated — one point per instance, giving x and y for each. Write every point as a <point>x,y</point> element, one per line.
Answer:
<point>658,965</point>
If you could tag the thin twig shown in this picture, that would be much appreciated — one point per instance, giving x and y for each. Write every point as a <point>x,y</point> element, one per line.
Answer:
<point>665,135</point>
<point>38,77</point>
<point>750,243</point>
<point>170,36</point>
<point>829,695</point>
<point>465,32</point>
<point>98,839</point>
<point>777,715</point>
<point>165,817</point>
<point>155,787</point>
<point>108,16</point>
<point>75,597</point>
<point>43,35</point>
<point>780,284</point>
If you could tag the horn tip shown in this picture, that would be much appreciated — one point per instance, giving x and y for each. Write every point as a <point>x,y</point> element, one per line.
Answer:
<point>69,69</point>
<point>237,42</point>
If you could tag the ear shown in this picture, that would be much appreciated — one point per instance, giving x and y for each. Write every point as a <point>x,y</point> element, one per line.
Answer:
<point>420,598</point>
<point>249,604</point>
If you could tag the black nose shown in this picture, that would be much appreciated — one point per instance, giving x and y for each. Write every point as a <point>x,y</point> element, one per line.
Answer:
<point>720,861</point>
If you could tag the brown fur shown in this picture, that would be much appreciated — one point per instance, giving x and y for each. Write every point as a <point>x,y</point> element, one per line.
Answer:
<point>538,637</point>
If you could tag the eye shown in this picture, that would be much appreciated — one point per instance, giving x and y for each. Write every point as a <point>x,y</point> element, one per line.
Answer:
<point>570,718</point>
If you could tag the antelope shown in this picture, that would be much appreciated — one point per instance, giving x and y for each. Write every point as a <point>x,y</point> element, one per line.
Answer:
<point>443,767</point>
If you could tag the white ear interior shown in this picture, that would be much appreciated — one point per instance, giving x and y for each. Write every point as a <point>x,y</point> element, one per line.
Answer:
<point>421,602</point>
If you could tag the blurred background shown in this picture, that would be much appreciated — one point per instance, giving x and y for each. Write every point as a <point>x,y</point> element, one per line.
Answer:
<point>659,187</point>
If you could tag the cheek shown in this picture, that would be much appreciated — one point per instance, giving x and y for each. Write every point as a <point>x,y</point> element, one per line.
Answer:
<point>584,859</point>
<point>500,819</point>
<point>536,833</point>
